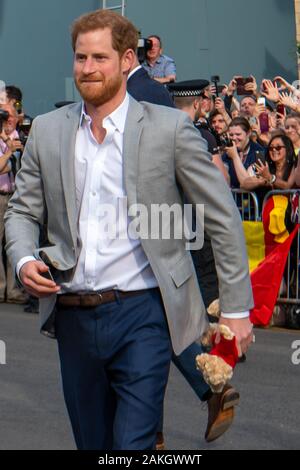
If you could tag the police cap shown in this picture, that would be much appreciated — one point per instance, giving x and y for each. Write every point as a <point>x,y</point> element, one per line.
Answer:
<point>188,88</point>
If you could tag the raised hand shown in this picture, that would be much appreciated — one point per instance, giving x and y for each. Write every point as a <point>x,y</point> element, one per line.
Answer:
<point>252,86</point>
<point>283,84</point>
<point>270,91</point>
<point>287,100</point>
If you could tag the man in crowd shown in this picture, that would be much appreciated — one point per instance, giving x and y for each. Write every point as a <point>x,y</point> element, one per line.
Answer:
<point>159,66</point>
<point>9,144</point>
<point>248,107</point>
<point>191,97</point>
<point>115,305</point>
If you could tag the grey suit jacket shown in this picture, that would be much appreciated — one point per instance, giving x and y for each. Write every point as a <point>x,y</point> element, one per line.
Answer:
<point>163,155</point>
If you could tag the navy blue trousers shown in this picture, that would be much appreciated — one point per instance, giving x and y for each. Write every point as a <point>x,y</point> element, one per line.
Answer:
<point>115,362</point>
<point>186,364</point>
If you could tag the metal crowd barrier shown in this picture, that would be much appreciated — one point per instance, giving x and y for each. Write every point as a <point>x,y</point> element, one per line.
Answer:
<point>247,204</point>
<point>290,290</point>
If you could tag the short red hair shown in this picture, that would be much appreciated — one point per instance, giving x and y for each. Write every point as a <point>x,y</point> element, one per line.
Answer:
<point>124,34</point>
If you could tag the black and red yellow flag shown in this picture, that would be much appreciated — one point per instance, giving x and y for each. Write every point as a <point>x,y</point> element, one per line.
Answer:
<point>268,244</point>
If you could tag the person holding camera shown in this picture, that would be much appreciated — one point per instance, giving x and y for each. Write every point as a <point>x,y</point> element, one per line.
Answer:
<point>7,148</point>
<point>275,171</point>
<point>244,147</point>
<point>9,144</point>
<point>159,66</point>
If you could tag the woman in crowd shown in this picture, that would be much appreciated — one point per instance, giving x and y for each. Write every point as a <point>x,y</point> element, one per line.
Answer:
<point>292,130</point>
<point>243,148</point>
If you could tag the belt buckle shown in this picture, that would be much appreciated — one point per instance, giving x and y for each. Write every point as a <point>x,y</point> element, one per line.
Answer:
<point>100,296</point>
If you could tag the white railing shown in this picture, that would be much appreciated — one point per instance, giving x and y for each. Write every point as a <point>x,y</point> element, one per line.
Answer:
<point>121,6</point>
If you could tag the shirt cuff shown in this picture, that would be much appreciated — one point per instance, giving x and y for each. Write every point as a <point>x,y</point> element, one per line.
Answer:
<point>21,263</point>
<point>236,316</point>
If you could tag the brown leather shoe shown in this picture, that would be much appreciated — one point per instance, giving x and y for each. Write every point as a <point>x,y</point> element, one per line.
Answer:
<point>221,412</point>
<point>160,442</point>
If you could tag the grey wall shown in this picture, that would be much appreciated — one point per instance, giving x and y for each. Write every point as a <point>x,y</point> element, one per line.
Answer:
<point>205,37</point>
<point>224,37</point>
<point>35,48</point>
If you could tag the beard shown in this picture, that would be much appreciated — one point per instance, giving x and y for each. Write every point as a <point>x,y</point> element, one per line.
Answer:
<point>97,90</point>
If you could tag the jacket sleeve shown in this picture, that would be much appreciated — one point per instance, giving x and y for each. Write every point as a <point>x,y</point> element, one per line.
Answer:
<point>204,184</point>
<point>26,209</point>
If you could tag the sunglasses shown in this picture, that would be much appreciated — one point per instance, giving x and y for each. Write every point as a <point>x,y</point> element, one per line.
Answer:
<point>277,148</point>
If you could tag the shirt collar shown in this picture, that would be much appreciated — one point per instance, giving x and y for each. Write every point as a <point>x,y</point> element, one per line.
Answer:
<point>117,117</point>
<point>133,71</point>
<point>158,61</point>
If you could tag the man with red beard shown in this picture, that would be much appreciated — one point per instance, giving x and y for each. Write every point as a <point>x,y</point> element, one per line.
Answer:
<point>117,300</point>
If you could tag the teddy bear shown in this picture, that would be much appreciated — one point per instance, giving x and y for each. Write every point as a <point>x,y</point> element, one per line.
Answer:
<point>217,365</point>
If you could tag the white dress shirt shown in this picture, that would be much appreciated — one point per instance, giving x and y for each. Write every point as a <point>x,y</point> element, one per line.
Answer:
<point>105,262</point>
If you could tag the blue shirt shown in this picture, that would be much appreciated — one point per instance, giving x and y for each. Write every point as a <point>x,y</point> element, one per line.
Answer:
<point>163,67</point>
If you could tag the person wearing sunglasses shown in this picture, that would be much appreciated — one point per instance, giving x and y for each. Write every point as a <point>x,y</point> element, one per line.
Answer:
<point>279,169</point>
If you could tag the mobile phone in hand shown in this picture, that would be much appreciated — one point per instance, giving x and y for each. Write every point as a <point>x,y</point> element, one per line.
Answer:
<point>241,82</point>
<point>252,121</point>
<point>260,157</point>
<point>264,122</point>
<point>47,275</point>
<point>261,101</point>
<point>280,109</point>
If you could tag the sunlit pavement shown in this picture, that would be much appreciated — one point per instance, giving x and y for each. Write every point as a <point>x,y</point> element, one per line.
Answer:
<point>33,416</point>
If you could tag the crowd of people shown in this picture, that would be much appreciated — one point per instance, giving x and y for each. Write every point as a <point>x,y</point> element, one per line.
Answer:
<point>257,136</point>
<point>255,130</point>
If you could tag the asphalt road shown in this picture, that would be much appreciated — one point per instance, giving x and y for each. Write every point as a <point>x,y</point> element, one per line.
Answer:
<point>33,416</point>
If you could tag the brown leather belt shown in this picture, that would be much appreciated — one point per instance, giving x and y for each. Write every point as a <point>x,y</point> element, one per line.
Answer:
<point>4,193</point>
<point>90,300</point>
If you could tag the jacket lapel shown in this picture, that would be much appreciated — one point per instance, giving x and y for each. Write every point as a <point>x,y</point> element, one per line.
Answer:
<point>132,135</point>
<point>68,140</point>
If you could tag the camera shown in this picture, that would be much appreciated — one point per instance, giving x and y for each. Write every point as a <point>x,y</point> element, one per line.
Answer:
<point>226,142</point>
<point>144,45</point>
<point>215,79</point>
<point>223,141</point>
<point>4,115</point>
<point>24,130</point>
